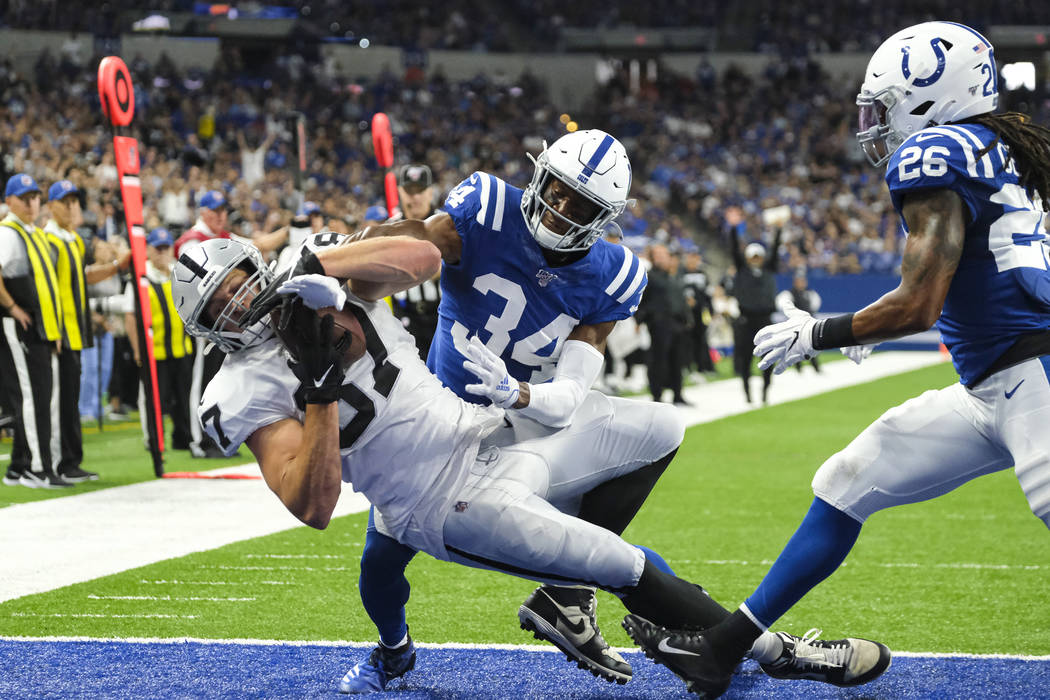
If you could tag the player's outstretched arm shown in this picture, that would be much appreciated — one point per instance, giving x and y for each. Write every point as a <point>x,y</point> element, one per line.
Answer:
<point>376,268</point>
<point>300,462</point>
<point>439,229</point>
<point>555,402</point>
<point>936,222</point>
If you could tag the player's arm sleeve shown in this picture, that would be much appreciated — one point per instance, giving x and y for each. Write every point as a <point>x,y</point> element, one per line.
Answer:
<point>230,417</point>
<point>734,246</point>
<point>621,291</point>
<point>473,205</point>
<point>554,403</point>
<point>773,259</point>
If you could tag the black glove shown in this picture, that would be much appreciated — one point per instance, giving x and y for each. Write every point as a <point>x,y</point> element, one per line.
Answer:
<point>318,357</point>
<point>268,299</point>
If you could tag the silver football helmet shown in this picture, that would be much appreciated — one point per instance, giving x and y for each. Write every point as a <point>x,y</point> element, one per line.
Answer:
<point>198,275</point>
<point>593,164</point>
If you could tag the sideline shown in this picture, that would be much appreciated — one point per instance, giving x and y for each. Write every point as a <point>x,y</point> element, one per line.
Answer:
<point>77,538</point>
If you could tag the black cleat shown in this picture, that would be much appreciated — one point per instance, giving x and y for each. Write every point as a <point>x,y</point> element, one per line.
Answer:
<point>43,480</point>
<point>565,618</point>
<point>688,654</point>
<point>842,662</point>
<point>75,475</point>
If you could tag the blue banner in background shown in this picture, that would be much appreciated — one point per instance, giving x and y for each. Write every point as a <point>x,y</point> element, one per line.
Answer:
<point>845,293</point>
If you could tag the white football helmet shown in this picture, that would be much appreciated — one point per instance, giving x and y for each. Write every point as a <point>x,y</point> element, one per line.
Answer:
<point>931,73</point>
<point>593,164</point>
<point>198,274</point>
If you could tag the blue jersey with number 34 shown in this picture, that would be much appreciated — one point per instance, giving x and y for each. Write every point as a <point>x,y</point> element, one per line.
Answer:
<point>503,290</point>
<point>1001,288</point>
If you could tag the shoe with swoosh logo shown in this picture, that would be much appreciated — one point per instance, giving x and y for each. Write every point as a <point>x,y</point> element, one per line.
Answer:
<point>565,617</point>
<point>842,662</point>
<point>687,653</point>
<point>382,666</point>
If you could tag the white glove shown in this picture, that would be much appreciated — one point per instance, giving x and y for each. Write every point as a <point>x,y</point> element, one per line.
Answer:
<point>496,384</point>
<point>858,353</point>
<point>316,291</point>
<point>781,345</point>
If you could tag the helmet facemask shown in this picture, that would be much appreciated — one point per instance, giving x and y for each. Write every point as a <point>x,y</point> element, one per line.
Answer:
<point>578,235</point>
<point>228,324</point>
<point>201,274</point>
<point>877,137</point>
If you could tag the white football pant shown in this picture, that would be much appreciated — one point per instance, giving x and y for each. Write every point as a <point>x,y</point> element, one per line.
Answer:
<point>938,441</point>
<point>505,519</point>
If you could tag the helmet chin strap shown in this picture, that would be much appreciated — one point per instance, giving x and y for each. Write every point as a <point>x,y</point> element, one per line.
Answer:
<point>547,238</point>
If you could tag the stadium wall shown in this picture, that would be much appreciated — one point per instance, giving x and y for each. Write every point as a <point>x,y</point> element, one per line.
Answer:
<point>845,293</point>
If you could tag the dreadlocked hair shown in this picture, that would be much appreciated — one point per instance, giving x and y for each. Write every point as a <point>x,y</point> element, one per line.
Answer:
<point>1029,146</point>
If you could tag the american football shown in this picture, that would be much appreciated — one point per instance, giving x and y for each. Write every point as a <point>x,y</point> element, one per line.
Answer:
<point>294,332</point>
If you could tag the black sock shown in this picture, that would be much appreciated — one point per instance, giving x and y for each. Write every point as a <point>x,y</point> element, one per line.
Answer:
<point>672,602</point>
<point>614,504</point>
<point>733,637</point>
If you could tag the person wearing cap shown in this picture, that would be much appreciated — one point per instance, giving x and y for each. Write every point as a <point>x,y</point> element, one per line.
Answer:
<point>31,335</point>
<point>68,253</point>
<point>755,289</point>
<point>375,214</point>
<point>211,223</point>
<point>172,346</point>
<point>417,307</point>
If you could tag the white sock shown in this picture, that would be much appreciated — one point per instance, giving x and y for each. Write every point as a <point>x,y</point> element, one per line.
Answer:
<point>403,642</point>
<point>767,647</point>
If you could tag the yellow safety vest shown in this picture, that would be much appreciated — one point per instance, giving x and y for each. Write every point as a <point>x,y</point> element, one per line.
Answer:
<point>39,298</point>
<point>72,294</point>
<point>170,340</point>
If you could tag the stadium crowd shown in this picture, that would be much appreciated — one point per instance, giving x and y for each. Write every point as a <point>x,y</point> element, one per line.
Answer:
<point>715,156</point>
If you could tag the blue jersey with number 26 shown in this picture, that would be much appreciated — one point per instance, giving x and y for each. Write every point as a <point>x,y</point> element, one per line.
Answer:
<point>1001,289</point>
<point>503,290</point>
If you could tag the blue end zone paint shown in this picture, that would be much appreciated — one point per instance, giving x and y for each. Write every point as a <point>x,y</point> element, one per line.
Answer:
<point>93,669</point>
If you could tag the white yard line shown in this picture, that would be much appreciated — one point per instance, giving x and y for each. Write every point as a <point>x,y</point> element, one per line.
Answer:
<point>76,538</point>
<point>538,648</point>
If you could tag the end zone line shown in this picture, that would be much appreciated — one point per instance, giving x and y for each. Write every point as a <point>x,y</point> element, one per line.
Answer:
<point>545,648</point>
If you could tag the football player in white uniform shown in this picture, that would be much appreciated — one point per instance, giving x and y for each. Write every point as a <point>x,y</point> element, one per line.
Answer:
<point>527,275</point>
<point>971,187</point>
<point>449,477</point>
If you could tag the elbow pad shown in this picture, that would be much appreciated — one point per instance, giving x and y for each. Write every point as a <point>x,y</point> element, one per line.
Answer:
<point>555,402</point>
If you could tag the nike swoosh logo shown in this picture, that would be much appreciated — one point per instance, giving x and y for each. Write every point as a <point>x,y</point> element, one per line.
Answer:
<point>319,382</point>
<point>878,75</point>
<point>566,618</point>
<point>1009,394</point>
<point>793,341</point>
<point>667,648</point>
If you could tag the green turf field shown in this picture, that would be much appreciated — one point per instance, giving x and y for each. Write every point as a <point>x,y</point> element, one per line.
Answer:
<point>965,573</point>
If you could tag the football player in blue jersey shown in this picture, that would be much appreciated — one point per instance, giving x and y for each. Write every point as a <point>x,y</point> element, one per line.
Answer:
<point>972,187</point>
<point>529,293</point>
